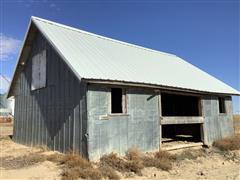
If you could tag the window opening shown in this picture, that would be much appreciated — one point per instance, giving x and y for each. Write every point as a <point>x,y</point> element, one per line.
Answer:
<point>221,102</point>
<point>116,100</point>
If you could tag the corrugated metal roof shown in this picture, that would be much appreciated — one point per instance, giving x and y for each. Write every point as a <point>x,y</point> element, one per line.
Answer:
<point>92,56</point>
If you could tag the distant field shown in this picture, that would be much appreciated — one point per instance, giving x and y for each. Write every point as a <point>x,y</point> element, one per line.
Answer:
<point>236,119</point>
<point>6,129</point>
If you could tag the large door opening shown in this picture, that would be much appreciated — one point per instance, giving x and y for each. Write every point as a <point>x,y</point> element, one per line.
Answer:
<point>180,105</point>
<point>181,135</point>
<point>181,122</point>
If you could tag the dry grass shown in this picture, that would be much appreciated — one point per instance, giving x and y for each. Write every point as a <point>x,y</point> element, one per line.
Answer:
<point>134,154</point>
<point>113,161</point>
<point>75,166</point>
<point>161,160</point>
<point>228,144</point>
<point>121,165</point>
<point>72,159</point>
<point>236,117</point>
<point>134,158</point>
<point>79,172</point>
<point>191,154</point>
<point>4,138</point>
<point>134,166</point>
<point>56,158</point>
<point>165,155</point>
<point>160,164</point>
<point>21,161</point>
<point>236,121</point>
<point>108,172</point>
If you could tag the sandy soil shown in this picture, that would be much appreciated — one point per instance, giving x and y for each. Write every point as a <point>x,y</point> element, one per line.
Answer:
<point>6,129</point>
<point>214,166</point>
<point>44,170</point>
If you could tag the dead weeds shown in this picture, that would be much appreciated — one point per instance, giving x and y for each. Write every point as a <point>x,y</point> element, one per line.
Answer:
<point>5,138</point>
<point>79,172</point>
<point>191,154</point>
<point>75,166</point>
<point>149,161</point>
<point>164,155</point>
<point>108,172</point>
<point>21,161</point>
<point>134,154</point>
<point>56,158</point>
<point>74,160</point>
<point>122,165</point>
<point>228,144</point>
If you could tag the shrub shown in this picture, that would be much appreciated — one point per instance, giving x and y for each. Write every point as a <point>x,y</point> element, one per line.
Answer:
<point>22,161</point>
<point>78,167</point>
<point>112,160</point>
<point>228,144</point>
<point>78,172</point>
<point>134,166</point>
<point>133,154</point>
<point>164,164</point>
<point>161,160</point>
<point>108,172</point>
<point>134,163</point>
<point>72,159</point>
<point>191,154</point>
<point>164,155</point>
<point>56,158</point>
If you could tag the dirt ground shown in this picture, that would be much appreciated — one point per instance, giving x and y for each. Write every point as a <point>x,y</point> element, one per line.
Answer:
<point>6,129</point>
<point>236,121</point>
<point>213,166</point>
<point>44,170</point>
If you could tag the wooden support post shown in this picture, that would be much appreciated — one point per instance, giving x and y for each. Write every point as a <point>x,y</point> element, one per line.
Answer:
<point>160,118</point>
<point>203,126</point>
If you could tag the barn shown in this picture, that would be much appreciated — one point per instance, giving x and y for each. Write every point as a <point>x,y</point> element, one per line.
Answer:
<point>76,90</point>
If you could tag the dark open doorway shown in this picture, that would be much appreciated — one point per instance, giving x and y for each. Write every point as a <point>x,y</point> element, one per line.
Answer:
<point>181,134</point>
<point>180,105</point>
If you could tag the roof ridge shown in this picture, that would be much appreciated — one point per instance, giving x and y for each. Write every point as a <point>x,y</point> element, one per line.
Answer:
<point>100,36</point>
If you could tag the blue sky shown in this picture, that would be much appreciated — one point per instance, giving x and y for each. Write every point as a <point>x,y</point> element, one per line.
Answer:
<point>205,33</point>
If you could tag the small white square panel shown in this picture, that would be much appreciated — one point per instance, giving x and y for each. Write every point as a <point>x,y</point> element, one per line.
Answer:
<point>39,70</point>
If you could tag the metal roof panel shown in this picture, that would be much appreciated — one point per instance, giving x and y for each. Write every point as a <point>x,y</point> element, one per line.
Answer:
<point>92,56</point>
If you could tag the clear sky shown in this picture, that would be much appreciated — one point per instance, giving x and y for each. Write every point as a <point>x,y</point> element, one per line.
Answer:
<point>205,33</point>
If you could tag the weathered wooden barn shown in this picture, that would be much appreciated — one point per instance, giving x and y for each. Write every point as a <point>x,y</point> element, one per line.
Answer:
<point>81,91</point>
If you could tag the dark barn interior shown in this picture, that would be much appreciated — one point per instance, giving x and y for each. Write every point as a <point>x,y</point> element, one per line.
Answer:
<point>182,107</point>
<point>179,105</point>
<point>116,100</point>
<point>182,132</point>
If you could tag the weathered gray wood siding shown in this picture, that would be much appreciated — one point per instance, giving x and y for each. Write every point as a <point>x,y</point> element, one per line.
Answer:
<point>139,128</point>
<point>216,125</point>
<point>54,116</point>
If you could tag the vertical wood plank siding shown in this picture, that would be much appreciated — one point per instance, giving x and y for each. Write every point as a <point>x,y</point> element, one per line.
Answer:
<point>138,128</point>
<point>54,116</point>
<point>216,125</point>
